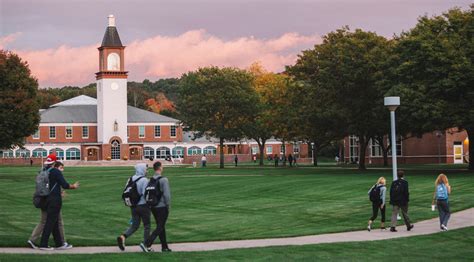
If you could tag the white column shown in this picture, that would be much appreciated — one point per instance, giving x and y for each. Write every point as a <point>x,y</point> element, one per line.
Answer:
<point>394,145</point>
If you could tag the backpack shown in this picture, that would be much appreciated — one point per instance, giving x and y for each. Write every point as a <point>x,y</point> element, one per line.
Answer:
<point>42,188</point>
<point>153,192</point>
<point>130,193</point>
<point>396,194</point>
<point>374,194</point>
<point>441,192</point>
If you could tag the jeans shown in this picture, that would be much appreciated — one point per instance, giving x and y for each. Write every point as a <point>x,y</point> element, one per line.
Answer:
<point>161,215</point>
<point>139,213</point>
<point>443,209</point>
<point>53,209</point>
<point>40,227</point>
<point>404,210</point>
<point>375,211</point>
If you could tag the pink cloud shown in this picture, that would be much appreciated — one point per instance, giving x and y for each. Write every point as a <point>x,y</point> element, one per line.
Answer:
<point>166,56</point>
<point>4,41</point>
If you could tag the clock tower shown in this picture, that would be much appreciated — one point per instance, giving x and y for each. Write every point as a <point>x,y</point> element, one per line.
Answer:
<point>112,92</point>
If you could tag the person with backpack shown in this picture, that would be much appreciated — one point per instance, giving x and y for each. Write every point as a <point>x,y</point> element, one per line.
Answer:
<point>158,197</point>
<point>399,198</point>
<point>53,202</point>
<point>442,191</point>
<point>134,197</point>
<point>290,160</point>
<point>377,197</point>
<point>36,234</point>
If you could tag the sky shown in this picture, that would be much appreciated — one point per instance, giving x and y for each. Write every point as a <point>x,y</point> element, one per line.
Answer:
<point>59,39</point>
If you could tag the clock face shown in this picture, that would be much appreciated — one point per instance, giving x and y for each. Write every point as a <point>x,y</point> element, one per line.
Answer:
<point>114,86</point>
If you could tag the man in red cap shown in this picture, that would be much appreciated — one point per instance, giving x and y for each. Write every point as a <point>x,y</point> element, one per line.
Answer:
<point>54,203</point>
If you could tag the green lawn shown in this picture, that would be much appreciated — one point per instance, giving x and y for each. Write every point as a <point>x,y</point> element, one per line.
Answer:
<point>453,245</point>
<point>213,204</point>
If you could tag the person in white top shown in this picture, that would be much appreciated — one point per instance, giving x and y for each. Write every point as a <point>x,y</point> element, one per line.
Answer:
<point>203,161</point>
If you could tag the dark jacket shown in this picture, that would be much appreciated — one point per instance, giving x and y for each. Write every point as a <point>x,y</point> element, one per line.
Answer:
<point>403,197</point>
<point>56,178</point>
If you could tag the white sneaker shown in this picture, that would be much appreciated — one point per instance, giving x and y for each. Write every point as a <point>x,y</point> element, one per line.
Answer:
<point>444,228</point>
<point>32,244</point>
<point>65,246</point>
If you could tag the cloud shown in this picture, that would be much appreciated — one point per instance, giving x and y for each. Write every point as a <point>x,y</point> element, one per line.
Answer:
<point>166,56</point>
<point>8,39</point>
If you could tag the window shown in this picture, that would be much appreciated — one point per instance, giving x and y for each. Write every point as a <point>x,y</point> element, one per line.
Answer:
<point>22,153</point>
<point>296,149</point>
<point>209,150</point>
<point>173,131</point>
<point>8,154</point>
<point>36,135</point>
<point>282,149</point>
<point>148,152</point>
<point>40,152</point>
<point>157,131</point>
<point>73,154</point>
<point>58,152</point>
<point>254,150</point>
<point>85,132</point>
<point>178,152</point>
<point>115,150</point>
<point>52,132</point>
<point>141,131</point>
<point>163,152</point>
<point>398,145</point>
<point>194,150</point>
<point>353,149</point>
<point>375,148</point>
<point>113,62</point>
<point>69,132</point>
<point>269,150</point>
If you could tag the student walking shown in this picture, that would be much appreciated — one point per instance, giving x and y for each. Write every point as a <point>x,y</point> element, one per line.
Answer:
<point>236,160</point>
<point>290,160</point>
<point>54,204</point>
<point>276,160</point>
<point>36,234</point>
<point>136,186</point>
<point>399,198</point>
<point>441,194</point>
<point>160,201</point>
<point>377,197</point>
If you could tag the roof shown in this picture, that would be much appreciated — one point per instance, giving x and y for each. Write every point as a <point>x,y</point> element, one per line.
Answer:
<point>83,109</point>
<point>189,135</point>
<point>111,38</point>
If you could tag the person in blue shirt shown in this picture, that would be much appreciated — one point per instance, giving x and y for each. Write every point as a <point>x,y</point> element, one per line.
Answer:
<point>441,195</point>
<point>54,204</point>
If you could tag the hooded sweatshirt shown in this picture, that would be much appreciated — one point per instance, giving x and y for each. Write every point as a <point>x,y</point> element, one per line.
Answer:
<point>140,171</point>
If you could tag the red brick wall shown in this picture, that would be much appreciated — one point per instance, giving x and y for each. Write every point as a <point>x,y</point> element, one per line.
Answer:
<point>61,135</point>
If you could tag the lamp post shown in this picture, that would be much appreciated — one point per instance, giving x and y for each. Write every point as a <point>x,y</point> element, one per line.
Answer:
<point>42,163</point>
<point>438,135</point>
<point>392,103</point>
<point>174,149</point>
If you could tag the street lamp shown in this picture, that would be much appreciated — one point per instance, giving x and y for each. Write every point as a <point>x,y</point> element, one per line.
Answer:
<point>392,102</point>
<point>438,135</point>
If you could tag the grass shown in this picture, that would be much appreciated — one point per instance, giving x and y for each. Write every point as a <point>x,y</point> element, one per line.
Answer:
<point>454,245</point>
<point>213,204</point>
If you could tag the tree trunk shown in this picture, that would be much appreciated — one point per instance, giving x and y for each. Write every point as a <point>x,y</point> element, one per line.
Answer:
<point>284,152</point>
<point>384,150</point>
<point>363,147</point>
<point>470,136</point>
<point>315,155</point>
<point>261,147</point>
<point>221,143</point>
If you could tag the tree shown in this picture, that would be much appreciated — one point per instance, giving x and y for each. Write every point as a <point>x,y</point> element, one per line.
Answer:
<point>19,107</point>
<point>435,74</point>
<point>217,102</point>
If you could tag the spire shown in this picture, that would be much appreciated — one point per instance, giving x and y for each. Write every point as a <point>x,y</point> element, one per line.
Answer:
<point>111,36</point>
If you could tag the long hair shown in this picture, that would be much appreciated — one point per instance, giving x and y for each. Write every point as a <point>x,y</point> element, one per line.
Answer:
<point>442,179</point>
<point>381,180</point>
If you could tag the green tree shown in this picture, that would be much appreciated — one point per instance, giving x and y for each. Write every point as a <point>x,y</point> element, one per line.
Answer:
<point>434,74</point>
<point>217,102</point>
<point>19,107</point>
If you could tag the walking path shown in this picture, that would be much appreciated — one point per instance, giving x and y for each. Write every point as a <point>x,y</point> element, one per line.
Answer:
<point>460,219</point>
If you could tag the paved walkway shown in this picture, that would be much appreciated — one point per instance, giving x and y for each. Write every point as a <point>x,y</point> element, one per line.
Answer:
<point>460,219</point>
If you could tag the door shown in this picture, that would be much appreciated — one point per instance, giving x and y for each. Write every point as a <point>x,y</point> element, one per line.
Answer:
<point>458,154</point>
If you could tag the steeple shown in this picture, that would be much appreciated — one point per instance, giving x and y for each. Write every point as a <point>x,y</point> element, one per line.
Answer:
<point>111,53</point>
<point>111,36</point>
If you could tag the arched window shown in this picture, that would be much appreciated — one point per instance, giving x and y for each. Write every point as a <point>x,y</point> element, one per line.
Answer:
<point>7,153</point>
<point>73,154</point>
<point>210,150</point>
<point>38,152</point>
<point>194,150</point>
<point>22,153</point>
<point>178,152</point>
<point>148,152</point>
<point>162,152</point>
<point>58,152</point>
<point>113,62</point>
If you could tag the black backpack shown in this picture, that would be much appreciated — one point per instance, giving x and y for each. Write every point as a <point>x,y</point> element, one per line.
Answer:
<point>153,192</point>
<point>130,193</point>
<point>374,194</point>
<point>397,191</point>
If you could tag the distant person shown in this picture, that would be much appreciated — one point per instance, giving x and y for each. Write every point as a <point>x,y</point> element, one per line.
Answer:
<point>290,160</point>
<point>31,161</point>
<point>236,160</point>
<point>254,158</point>
<point>294,160</point>
<point>203,161</point>
<point>336,158</point>
<point>160,207</point>
<point>283,159</point>
<point>377,197</point>
<point>135,199</point>
<point>441,195</point>
<point>276,160</point>
<point>399,198</point>
<point>54,204</point>
<point>36,234</point>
